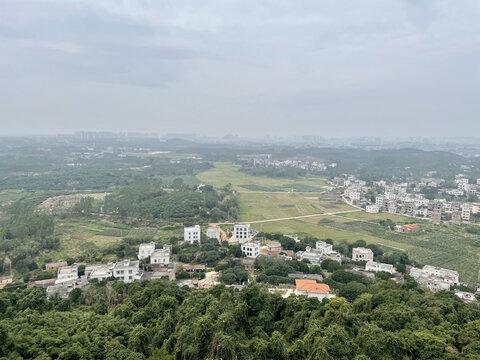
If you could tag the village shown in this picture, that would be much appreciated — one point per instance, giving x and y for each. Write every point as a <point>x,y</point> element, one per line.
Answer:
<point>158,263</point>
<point>430,198</point>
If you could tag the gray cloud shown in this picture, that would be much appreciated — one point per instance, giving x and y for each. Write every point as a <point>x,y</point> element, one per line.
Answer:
<point>272,67</point>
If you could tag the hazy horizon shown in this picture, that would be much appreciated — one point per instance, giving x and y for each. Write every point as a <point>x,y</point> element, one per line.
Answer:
<point>252,68</point>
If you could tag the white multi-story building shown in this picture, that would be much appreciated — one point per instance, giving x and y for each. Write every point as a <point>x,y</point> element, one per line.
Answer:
<point>101,272</point>
<point>67,273</point>
<point>390,196</point>
<point>362,254</point>
<point>191,233</point>
<point>379,201</point>
<point>160,257</point>
<point>146,250</point>
<point>241,233</point>
<point>324,247</point>
<point>354,195</point>
<point>372,209</point>
<point>251,249</point>
<point>434,278</point>
<point>376,267</point>
<point>213,232</point>
<point>127,271</point>
<point>466,211</point>
<point>446,274</point>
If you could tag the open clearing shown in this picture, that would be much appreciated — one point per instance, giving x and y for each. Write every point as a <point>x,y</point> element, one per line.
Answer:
<point>263,198</point>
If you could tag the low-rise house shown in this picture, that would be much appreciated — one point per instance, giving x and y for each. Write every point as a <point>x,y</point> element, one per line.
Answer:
<point>327,251</point>
<point>446,274</point>
<point>433,283</point>
<point>160,257</point>
<point>42,283</point>
<point>312,289</point>
<point>313,257</point>
<point>146,250</point>
<point>60,290</point>
<point>163,273</point>
<point>301,275</point>
<point>362,254</point>
<point>194,268</point>
<point>241,233</point>
<point>324,247</point>
<point>248,263</point>
<point>377,267</point>
<point>407,228</point>
<point>101,273</point>
<point>456,218</point>
<point>213,232</point>
<point>127,271</point>
<point>67,273</point>
<point>191,234</point>
<point>90,268</point>
<point>251,249</point>
<point>434,278</point>
<point>5,280</point>
<point>466,296</point>
<point>54,265</point>
<point>322,252</point>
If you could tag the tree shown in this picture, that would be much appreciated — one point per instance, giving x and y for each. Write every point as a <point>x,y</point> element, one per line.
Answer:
<point>161,354</point>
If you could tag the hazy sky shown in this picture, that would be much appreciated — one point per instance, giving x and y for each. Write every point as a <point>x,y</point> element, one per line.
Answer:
<point>279,67</point>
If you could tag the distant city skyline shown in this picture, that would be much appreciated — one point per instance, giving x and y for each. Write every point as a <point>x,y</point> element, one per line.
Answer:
<point>395,68</point>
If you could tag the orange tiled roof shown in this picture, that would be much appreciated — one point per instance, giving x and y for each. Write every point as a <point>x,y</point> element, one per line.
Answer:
<point>311,286</point>
<point>410,226</point>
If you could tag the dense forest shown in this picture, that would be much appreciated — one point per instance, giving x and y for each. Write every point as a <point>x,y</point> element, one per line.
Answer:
<point>89,174</point>
<point>149,199</point>
<point>158,320</point>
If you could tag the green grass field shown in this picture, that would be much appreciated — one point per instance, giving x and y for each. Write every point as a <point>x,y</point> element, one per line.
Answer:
<point>263,198</point>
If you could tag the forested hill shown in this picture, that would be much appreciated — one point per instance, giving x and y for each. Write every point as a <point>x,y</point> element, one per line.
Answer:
<point>373,164</point>
<point>119,321</point>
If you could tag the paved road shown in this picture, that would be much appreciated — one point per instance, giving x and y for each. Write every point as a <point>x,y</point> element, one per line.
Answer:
<point>292,217</point>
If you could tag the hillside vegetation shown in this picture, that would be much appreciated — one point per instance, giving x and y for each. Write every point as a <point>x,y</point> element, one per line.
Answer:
<point>134,321</point>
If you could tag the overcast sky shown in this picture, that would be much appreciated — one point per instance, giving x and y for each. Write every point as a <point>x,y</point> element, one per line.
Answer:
<point>279,67</point>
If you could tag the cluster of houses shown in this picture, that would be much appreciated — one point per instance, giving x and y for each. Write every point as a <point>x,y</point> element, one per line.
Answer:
<point>321,252</point>
<point>265,160</point>
<point>408,199</point>
<point>161,265</point>
<point>435,278</point>
<point>126,271</point>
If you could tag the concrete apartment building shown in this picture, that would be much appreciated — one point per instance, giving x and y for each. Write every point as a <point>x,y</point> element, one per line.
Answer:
<point>213,232</point>
<point>362,254</point>
<point>102,272</point>
<point>160,257</point>
<point>191,234</point>
<point>127,271</point>
<point>251,249</point>
<point>146,250</point>
<point>466,212</point>
<point>436,216</point>
<point>241,233</point>
<point>372,209</point>
<point>67,273</point>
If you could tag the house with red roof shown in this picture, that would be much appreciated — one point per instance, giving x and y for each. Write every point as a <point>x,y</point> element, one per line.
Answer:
<point>311,288</point>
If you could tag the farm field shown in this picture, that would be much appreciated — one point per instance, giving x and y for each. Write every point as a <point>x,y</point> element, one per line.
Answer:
<point>263,198</point>
<point>92,235</point>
